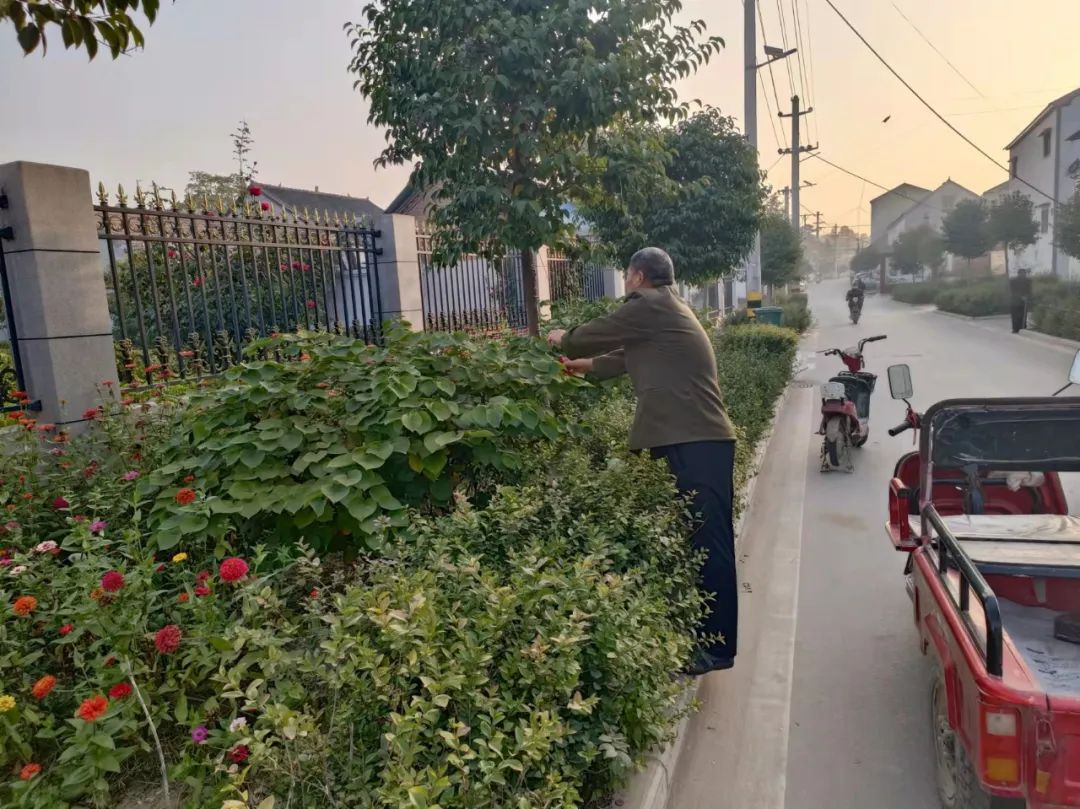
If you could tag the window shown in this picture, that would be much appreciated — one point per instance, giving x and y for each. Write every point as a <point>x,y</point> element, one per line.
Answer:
<point>1045,135</point>
<point>1044,218</point>
<point>1014,164</point>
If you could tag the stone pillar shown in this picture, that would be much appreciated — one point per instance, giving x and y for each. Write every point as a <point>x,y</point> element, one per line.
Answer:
<point>399,270</point>
<point>614,282</point>
<point>56,282</point>
<point>543,282</point>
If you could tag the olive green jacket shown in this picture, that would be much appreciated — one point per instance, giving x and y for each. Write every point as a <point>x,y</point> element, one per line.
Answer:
<point>657,339</point>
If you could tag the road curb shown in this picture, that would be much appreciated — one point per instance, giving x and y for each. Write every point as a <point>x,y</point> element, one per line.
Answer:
<point>1049,339</point>
<point>651,787</point>
<point>969,318</point>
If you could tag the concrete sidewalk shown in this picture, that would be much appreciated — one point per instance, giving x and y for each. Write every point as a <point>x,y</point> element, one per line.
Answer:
<point>735,753</point>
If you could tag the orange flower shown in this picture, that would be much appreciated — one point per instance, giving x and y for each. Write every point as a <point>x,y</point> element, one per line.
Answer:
<point>185,496</point>
<point>93,708</point>
<point>24,605</point>
<point>43,686</point>
<point>183,597</point>
<point>29,771</point>
<point>96,593</point>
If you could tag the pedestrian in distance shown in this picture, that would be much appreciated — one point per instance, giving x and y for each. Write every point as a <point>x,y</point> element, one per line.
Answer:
<point>657,339</point>
<point>1019,297</point>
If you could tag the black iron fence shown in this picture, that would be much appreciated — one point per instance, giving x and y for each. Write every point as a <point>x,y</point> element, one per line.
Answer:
<point>474,295</point>
<point>574,279</point>
<point>189,286</point>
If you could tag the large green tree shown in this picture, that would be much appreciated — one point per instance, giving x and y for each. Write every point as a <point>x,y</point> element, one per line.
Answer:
<point>1012,223</point>
<point>87,24</point>
<point>693,188</point>
<point>865,260</point>
<point>781,249</point>
<point>966,230</point>
<point>1067,225</point>
<point>497,104</point>
<point>918,249</point>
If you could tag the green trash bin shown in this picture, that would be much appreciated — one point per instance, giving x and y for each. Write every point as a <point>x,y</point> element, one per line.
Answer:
<point>770,314</point>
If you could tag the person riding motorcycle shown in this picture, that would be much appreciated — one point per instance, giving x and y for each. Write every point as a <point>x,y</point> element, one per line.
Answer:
<point>856,294</point>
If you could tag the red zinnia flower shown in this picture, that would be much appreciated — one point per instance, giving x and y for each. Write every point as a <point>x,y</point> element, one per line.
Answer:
<point>183,597</point>
<point>239,754</point>
<point>233,569</point>
<point>20,395</point>
<point>202,576</point>
<point>43,686</point>
<point>189,479</point>
<point>66,629</point>
<point>197,281</point>
<point>29,771</point>
<point>112,581</point>
<point>24,605</point>
<point>306,267</point>
<point>60,503</point>
<point>91,414</point>
<point>202,590</point>
<point>167,639</point>
<point>185,496</point>
<point>93,708</point>
<point>171,254</point>
<point>119,691</point>
<point>265,206</point>
<point>311,304</point>
<point>313,594</point>
<point>255,191</point>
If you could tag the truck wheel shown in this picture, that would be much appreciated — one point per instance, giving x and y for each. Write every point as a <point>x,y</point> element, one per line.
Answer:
<point>958,783</point>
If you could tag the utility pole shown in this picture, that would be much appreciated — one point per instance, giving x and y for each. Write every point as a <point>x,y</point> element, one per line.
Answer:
<point>786,191</point>
<point>796,152</point>
<point>753,261</point>
<point>817,225</point>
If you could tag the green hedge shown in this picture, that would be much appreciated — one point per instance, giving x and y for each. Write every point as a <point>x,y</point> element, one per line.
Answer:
<point>1057,309</point>
<point>508,642</point>
<point>981,299</point>
<point>917,294</point>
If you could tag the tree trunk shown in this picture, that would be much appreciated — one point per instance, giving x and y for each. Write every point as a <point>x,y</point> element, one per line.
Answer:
<point>530,292</point>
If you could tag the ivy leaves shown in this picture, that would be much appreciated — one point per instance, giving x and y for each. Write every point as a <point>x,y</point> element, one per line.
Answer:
<point>338,446</point>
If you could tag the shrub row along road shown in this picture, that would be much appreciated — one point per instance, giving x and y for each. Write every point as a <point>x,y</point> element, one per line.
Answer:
<point>828,707</point>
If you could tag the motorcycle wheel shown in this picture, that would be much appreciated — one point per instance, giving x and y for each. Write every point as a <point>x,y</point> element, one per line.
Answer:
<point>832,450</point>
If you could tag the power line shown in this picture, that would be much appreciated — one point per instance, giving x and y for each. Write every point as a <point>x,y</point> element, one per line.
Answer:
<point>930,107</point>
<point>772,117</point>
<point>770,168</point>
<point>784,42</point>
<point>797,28</point>
<point>810,62</point>
<point>955,69</point>
<point>860,177</point>
<point>772,77</point>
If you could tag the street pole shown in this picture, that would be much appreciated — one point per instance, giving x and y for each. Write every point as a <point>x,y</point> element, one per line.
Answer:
<point>753,261</point>
<point>786,191</point>
<point>817,226</point>
<point>796,152</point>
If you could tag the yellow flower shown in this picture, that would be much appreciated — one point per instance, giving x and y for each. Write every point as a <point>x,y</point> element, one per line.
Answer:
<point>180,557</point>
<point>7,702</point>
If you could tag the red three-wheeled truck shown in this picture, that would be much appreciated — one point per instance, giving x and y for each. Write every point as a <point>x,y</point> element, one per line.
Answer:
<point>994,578</point>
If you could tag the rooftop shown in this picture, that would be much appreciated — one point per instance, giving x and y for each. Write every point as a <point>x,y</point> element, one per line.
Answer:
<point>1064,101</point>
<point>300,198</point>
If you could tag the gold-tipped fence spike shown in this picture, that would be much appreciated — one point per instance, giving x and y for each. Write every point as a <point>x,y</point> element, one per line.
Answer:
<point>326,216</point>
<point>247,208</point>
<point>206,202</point>
<point>157,196</point>
<point>173,200</point>
<point>102,194</point>
<point>121,195</point>
<point>189,203</point>
<point>140,196</point>
<point>337,220</point>
<point>307,215</point>
<point>221,205</point>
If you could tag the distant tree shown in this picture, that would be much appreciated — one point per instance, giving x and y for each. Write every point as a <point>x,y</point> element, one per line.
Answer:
<point>781,249</point>
<point>966,230</point>
<point>694,189</point>
<point>82,23</point>
<point>1067,225</point>
<point>205,185</point>
<point>1012,223</point>
<point>243,143</point>
<point>497,104</point>
<point>865,260</point>
<point>919,249</point>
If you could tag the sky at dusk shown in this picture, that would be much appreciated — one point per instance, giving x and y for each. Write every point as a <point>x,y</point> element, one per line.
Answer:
<point>281,65</point>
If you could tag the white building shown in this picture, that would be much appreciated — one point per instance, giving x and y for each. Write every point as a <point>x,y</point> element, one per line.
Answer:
<point>908,207</point>
<point>884,210</point>
<point>1046,155</point>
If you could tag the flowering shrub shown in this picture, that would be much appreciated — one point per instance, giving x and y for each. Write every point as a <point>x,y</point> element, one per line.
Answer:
<point>510,643</point>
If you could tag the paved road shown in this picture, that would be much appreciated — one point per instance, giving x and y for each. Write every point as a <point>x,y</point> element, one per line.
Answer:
<point>828,707</point>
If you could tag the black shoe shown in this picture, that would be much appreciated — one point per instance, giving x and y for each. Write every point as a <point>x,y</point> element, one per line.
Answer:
<point>703,663</point>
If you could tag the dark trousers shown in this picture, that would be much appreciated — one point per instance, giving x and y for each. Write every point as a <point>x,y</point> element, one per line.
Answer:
<point>1018,310</point>
<point>706,470</point>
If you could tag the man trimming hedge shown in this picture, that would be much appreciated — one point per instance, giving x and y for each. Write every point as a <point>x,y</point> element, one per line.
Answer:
<point>656,339</point>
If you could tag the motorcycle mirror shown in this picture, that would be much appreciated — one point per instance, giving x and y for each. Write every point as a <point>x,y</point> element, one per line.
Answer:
<point>900,382</point>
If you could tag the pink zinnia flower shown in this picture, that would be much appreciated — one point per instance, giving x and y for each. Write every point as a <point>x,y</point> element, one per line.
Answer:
<point>233,569</point>
<point>134,473</point>
<point>167,639</point>
<point>199,734</point>
<point>112,582</point>
<point>61,504</point>
<point>97,526</point>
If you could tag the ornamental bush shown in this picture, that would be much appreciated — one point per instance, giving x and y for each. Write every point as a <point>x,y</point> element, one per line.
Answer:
<point>509,642</point>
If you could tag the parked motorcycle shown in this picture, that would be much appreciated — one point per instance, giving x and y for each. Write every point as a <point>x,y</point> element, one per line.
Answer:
<point>845,407</point>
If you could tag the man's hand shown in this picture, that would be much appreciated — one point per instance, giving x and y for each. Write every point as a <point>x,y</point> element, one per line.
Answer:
<point>555,337</point>
<point>576,367</point>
